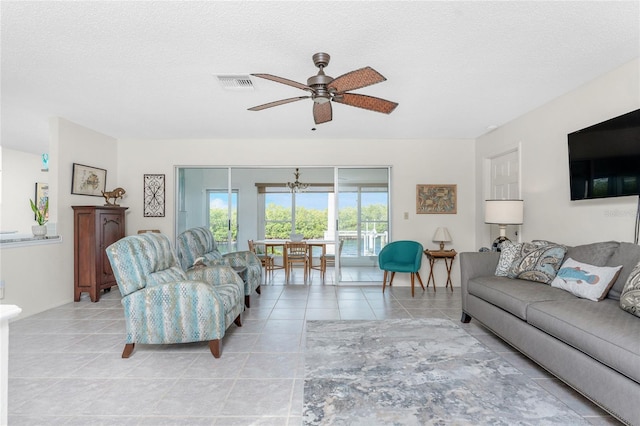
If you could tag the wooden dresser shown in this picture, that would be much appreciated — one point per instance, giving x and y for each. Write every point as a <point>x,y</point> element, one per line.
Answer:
<point>94,229</point>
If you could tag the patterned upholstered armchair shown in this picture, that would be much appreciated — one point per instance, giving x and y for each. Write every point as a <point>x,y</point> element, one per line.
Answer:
<point>199,242</point>
<point>163,304</point>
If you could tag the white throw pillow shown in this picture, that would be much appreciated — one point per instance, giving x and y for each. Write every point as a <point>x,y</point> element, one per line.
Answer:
<point>584,280</point>
<point>508,253</point>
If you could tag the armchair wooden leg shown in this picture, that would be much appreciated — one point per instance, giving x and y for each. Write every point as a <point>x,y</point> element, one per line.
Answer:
<point>420,280</point>
<point>247,301</point>
<point>384,281</point>
<point>258,290</point>
<point>128,348</point>
<point>214,347</point>
<point>413,279</point>
<point>465,318</point>
<point>393,274</point>
<point>238,321</point>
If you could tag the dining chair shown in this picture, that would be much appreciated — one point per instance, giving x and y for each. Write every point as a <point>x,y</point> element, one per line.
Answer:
<point>296,253</point>
<point>266,259</point>
<point>329,259</point>
<point>401,256</point>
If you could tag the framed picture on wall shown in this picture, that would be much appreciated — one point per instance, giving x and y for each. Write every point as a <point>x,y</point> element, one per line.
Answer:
<point>153,196</point>
<point>436,199</point>
<point>87,180</point>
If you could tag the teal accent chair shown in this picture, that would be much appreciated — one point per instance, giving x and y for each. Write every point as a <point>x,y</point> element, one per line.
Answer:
<point>164,304</point>
<point>401,256</point>
<point>197,243</point>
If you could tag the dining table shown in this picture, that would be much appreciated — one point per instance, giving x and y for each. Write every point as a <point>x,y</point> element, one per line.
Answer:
<point>270,246</point>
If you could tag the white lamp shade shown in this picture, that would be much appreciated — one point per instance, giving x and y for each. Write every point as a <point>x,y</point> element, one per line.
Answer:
<point>441,235</point>
<point>504,212</point>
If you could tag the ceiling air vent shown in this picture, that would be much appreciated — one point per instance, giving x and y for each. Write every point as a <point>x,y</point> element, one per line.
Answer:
<point>236,82</point>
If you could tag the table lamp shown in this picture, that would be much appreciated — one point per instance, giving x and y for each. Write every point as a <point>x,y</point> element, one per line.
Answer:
<point>442,236</point>
<point>503,213</point>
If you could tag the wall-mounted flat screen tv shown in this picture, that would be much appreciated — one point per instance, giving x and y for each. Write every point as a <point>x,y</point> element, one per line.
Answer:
<point>604,159</point>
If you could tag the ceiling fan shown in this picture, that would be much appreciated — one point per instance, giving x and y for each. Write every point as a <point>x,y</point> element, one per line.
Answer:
<point>325,89</point>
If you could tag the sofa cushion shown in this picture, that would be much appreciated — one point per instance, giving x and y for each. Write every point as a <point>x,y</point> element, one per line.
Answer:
<point>584,280</point>
<point>630,297</point>
<point>514,296</point>
<point>537,262</point>
<point>597,254</point>
<point>507,256</point>
<point>599,329</point>
<point>627,255</point>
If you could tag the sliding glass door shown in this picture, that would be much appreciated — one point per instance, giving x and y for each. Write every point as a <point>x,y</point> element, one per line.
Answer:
<point>206,199</point>
<point>363,214</point>
<point>242,203</point>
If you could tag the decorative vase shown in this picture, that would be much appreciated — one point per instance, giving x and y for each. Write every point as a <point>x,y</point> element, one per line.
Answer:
<point>39,231</point>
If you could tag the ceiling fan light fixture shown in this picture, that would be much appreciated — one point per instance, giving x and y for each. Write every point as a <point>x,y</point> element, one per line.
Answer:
<point>321,99</point>
<point>325,89</point>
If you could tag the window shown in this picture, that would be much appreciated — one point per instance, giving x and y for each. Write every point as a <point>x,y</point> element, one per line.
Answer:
<point>278,215</point>
<point>305,212</point>
<point>363,220</point>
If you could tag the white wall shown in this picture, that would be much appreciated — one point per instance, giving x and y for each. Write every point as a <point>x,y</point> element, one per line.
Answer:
<point>413,162</point>
<point>20,172</point>
<point>41,277</point>
<point>542,135</point>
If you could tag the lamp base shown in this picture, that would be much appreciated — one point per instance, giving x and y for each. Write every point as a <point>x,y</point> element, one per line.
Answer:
<point>497,243</point>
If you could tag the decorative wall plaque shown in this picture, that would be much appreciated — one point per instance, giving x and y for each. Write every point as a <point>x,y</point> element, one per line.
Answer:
<point>153,195</point>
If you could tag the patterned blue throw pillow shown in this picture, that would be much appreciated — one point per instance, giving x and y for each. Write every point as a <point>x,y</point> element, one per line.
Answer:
<point>630,297</point>
<point>536,262</point>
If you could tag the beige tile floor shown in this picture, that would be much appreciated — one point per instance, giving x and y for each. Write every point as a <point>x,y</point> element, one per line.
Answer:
<point>65,365</point>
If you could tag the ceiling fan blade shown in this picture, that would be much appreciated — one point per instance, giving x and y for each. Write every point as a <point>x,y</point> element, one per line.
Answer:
<point>276,103</point>
<point>322,112</point>
<point>284,81</point>
<point>367,102</point>
<point>356,79</point>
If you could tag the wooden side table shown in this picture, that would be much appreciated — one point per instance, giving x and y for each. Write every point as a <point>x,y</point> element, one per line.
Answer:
<point>433,256</point>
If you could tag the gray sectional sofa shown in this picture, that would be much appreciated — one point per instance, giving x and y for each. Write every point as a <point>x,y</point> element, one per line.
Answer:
<point>594,347</point>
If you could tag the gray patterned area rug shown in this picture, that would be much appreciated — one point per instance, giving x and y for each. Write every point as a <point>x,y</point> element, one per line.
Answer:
<point>417,372</point>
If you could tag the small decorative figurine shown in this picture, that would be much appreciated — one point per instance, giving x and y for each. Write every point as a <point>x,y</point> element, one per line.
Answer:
<point>115,194</point>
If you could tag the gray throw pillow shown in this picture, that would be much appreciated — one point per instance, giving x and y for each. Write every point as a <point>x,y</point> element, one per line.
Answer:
<point>630,297</point>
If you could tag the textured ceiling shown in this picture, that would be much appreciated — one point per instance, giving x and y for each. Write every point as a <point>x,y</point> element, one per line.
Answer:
<point>148,69</point>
